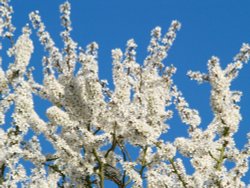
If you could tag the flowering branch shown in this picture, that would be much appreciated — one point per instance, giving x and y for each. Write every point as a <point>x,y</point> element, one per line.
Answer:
<point>93,128</point>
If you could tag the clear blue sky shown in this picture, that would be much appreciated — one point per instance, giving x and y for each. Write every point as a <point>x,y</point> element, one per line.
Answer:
<point>208,28</point>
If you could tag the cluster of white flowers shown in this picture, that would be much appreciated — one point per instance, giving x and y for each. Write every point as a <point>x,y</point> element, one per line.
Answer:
<point>91,126</point>
<point>6,27</point>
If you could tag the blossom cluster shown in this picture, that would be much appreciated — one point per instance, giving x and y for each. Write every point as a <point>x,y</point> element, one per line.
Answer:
<point>91,126</point>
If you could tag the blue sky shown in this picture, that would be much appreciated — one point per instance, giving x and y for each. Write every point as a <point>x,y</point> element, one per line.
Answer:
<point>208,28</point>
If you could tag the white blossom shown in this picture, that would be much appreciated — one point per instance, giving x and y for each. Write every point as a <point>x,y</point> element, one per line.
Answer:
<point>93,128</point>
